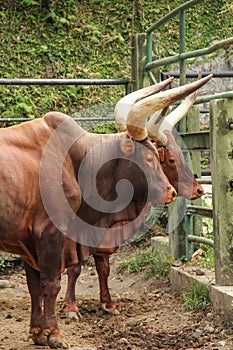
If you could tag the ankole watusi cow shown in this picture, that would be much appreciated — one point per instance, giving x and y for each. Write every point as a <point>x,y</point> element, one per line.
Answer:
<point>61,185</point>
<point>174,167</point>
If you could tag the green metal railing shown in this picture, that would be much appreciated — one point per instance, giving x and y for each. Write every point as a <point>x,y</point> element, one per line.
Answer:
<point>193,141</point>
<point>182,56</point>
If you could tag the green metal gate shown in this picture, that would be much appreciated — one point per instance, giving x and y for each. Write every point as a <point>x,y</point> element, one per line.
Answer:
<point>146,70</point>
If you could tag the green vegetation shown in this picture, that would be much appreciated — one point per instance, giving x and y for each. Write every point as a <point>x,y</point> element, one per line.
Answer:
<point>197,297</point>
<point>204,163</point>
<point>88,39</point>
<point>148,262</point>
<point>2,262</point>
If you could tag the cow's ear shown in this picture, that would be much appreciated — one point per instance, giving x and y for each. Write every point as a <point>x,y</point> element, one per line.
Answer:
<point>127,146</point>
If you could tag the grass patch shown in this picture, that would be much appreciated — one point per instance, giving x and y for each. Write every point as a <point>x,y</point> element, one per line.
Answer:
<point>197,297</point>
<point>90,39</point>
<point>206,260</point>
<point>148,262</point>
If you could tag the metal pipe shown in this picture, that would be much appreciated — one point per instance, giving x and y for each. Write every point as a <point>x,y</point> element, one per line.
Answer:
<point>203,181</point>
<point>172,14</point>
<point>182,46</point>
<point>148,47</point>
<point>228,94</point>
<point>196,53</point>
<point>199,210</point>
<point>6,81</point>
<point>206,172</point>
<point>203,240</point>
<point>165,75</point>
<point>207,98</point>
<point>83,119</point>
<point>182,123</point>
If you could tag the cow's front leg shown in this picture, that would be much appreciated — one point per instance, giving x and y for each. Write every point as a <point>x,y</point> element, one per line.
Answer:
<point>49,251</point>
<point>70,307</point>
<point>103,270</point>
<point>36,322</point>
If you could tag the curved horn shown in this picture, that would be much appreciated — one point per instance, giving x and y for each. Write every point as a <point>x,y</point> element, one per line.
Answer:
<point>142,109</point>
<point>154,124</point>
<point>179,112</point>
<point>124,105</point>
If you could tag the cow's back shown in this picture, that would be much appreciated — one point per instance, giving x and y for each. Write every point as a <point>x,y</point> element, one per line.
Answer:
<point>21,147</point>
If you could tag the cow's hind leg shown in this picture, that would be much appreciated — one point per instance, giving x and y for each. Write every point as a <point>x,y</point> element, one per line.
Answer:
<point>103,269</point>
<point>70,307</point>
<point>36,322</point>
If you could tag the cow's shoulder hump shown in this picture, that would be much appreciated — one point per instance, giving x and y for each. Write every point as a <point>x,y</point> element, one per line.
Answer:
<point>53,119</point>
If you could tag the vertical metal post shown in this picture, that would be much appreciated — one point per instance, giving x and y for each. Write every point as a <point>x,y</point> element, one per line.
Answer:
<point>149,47</point>
<point>182,46</point>
<point>180,225</point>
<point>221,136</point>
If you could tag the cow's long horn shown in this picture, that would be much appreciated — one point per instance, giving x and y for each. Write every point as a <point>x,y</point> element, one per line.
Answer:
<point>142,109</point>
<point>179,112</point>
<point>156,125</point>
<point>153,126</point>
<point>124,105</point>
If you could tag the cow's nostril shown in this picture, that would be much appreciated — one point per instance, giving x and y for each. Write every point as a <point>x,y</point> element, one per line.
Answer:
<point>200,191</point>
<point>173,194</point>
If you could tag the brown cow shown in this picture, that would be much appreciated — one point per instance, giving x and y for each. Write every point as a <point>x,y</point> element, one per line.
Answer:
<point>175,168</point>
<point>49,192</point>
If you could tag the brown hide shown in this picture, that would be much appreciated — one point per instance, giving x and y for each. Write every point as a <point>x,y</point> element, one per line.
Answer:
<point>177,170</point>
<point>40,197</point>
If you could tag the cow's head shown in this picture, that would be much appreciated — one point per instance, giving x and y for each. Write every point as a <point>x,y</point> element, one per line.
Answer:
<point>141,166</point>
<point>176,168</point>
<point>160,127</point>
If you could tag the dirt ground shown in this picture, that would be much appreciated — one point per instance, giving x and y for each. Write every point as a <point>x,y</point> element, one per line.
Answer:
<point>151,315</point>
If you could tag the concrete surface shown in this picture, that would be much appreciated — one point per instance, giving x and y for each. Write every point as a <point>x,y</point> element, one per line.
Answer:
<point>181,278</point>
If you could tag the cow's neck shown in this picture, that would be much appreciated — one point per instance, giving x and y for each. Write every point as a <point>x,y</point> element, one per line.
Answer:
<point>91,142</point>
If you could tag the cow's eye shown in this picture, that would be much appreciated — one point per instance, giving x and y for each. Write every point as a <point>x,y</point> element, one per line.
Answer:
<point>149,159</point>
<point>172,160</point>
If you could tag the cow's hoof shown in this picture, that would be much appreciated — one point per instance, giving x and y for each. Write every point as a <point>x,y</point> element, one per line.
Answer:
<point>73,315</point>
<point>112,311</point>
<point>58,343</point>
<point>39,339</point>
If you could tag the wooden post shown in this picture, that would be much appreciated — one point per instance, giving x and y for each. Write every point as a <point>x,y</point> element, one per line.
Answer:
<point>138,60</point>
<point>221,117</point>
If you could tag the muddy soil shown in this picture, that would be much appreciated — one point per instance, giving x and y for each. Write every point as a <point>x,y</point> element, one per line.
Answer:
<point>151,315</point>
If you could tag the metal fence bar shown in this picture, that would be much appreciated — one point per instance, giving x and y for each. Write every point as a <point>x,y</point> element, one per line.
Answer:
<point>228,94</point>
<point>228,74</point>
<point>199,210</point>
<point>172,14</point>
<point>191,54</point>
<point>204,181</point>
<point>163,20</point>
<point>81,119</point>
<point>207,241</point>
<point>16,81</point>
<point>6,81</point>
<point>84,119</point>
